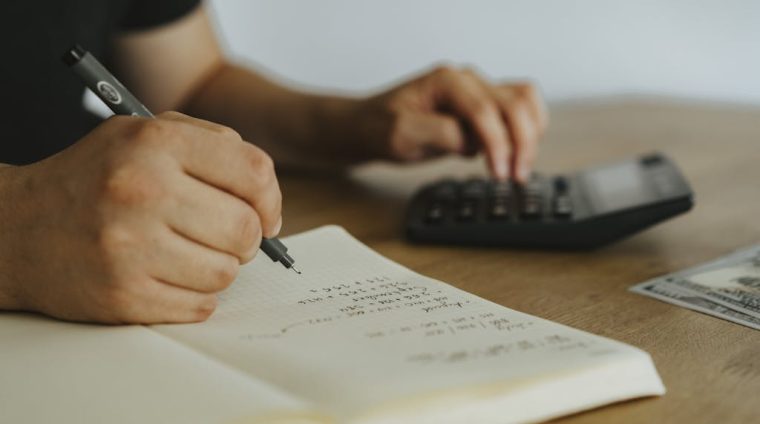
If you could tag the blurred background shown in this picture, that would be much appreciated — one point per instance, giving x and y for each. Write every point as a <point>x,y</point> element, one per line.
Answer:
<point>701,50</point>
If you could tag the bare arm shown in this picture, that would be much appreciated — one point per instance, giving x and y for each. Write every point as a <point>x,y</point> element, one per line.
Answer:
<point>141,239</point>
<point>447,110</point>
<point>8,292</point>
<point>192,75</point>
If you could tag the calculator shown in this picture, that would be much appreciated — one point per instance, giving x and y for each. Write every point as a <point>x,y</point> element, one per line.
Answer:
<point>579,210</point>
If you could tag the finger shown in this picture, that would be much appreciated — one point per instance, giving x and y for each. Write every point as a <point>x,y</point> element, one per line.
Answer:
<point>218,156</point>
<point>465,97</point>
<point>524,133</point>
<point>186,264</point>
<point>214,218</point>
<point>424,134</point>
<point>156,302</point>
<point>521,126</point>
<point>536,104</point>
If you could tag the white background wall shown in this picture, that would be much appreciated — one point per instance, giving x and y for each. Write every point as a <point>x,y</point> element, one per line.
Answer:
<point>586,48</point>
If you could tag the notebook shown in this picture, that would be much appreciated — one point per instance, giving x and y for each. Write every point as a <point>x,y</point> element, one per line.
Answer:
<point>356,338</point>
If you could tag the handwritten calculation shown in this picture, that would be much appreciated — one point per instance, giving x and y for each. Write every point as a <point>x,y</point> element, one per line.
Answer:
<point>375,295</point>
<point>555,342</point>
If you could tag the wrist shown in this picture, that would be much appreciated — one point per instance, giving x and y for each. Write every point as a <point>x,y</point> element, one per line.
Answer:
<point>343,127</point>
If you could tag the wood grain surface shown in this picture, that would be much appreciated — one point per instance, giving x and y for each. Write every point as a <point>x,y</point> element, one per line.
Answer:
<point>710,367</point>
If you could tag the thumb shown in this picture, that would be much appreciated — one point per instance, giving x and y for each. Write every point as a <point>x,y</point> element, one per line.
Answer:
<point>426,134</point>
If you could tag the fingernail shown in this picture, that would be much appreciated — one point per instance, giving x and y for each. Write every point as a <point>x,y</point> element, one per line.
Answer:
<point>277,227</point>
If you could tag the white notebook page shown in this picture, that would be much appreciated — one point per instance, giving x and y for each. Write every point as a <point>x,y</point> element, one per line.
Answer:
<point>357,331</point>
<point>58,372</point>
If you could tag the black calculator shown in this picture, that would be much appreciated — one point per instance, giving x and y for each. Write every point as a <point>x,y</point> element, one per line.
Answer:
<point>581,210</point>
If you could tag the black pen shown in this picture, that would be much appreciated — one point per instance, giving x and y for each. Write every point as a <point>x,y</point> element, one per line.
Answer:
<point>122,102</point>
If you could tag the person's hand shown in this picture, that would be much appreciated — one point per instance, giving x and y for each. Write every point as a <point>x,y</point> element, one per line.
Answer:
<point>450,110</point>
<point>141,221</point>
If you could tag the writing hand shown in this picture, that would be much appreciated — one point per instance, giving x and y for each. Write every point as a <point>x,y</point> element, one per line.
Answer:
<point>141,221</point>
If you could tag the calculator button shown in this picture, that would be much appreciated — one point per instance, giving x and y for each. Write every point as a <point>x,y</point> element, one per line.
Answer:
<point>499,209</point>
<point>563,207</point>
<point>560,185</point>
<point>501,188</point>
<point>434,214</point>
<point>466,211</point>
<point>531,207</point>
<point>533,187</point>
<point>474,188</point>
<point>445,191</point>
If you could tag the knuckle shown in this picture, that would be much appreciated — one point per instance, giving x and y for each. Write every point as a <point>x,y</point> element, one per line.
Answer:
<point>445,70</point>
<point>172,114</point>
<point>205,308</point>
<point>227,132</point>
<point>114,239</point>
<point>266,163</point>
<point>470,72</point>
<point>122,120</point>
<point>526,89</point>
<point>262,167</point>
<point>224,274</point>
<point>155,133</point>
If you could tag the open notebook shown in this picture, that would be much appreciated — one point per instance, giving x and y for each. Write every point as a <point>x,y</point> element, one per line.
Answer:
<point>356,339</point>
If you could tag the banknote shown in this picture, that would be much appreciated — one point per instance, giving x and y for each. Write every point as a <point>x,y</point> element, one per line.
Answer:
<point>728,287</point>
<point>677,296</point>
<point>736,287</point>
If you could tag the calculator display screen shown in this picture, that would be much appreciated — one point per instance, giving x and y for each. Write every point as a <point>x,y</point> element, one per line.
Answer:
<point>616,187</point>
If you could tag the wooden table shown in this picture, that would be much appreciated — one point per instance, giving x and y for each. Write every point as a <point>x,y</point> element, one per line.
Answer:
<point>710,367</point>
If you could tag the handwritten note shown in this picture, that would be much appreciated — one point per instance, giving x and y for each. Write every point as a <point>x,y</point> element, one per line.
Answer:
<point>375,330</point>
<point>378,296</point>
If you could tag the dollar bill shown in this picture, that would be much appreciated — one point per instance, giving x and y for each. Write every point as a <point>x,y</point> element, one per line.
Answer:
<point>677,296</point>
<point>728,287</point>
<point>734,287</point>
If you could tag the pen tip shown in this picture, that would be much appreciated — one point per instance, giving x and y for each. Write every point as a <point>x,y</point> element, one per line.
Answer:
<point>295,269</point>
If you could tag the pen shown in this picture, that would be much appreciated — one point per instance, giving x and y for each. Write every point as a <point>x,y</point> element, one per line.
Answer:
<point>122,102</point>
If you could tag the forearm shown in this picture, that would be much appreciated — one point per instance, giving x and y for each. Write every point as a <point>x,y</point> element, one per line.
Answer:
<point>8,290</point>
<point>297,129</point>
